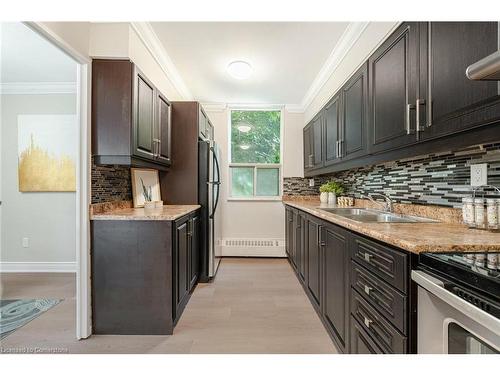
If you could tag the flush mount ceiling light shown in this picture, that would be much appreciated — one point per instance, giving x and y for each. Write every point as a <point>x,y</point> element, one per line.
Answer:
<point>244,147</point>
<point>239,69</point>
<point>244,127</point>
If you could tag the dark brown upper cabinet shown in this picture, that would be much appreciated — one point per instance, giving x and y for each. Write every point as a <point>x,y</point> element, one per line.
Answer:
<point>317,129</point>
<point>392,70</point>
<point>130,117</point>
<point>308,147</point>
<point>353,141</point>
<point>448,102</point>
<point>205,127</point>
<point>412,98</point>
<point>333,130</point>
<point>313,143</point>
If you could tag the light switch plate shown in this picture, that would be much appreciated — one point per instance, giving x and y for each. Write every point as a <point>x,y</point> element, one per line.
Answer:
<point>479,174</point>
<point>311,182</point>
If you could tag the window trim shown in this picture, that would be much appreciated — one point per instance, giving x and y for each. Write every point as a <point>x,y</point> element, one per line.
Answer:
<point>256,166</point>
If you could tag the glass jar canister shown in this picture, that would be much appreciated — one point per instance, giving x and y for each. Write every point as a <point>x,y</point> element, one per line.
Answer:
<point>468,211</point>
<point>492,213</point>
<point>479,211</point>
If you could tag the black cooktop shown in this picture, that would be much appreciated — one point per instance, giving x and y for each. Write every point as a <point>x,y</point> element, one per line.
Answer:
<point>475,284</point>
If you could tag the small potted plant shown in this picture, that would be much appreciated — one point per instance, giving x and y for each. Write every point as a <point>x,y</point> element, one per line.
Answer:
<point>324,190</point>
<point>147,193</point>
<point>334,189</point>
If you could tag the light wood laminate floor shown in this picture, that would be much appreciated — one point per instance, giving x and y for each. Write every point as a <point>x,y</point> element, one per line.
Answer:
<point>255,305</point>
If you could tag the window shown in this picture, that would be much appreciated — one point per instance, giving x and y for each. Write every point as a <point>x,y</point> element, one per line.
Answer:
<point>255,158</point>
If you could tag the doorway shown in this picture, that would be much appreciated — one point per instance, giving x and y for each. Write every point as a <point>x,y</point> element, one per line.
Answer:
<point>44,174</point>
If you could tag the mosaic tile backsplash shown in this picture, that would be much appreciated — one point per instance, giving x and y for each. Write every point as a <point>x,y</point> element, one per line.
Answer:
<point>110,183</point>
<point>440,179</point>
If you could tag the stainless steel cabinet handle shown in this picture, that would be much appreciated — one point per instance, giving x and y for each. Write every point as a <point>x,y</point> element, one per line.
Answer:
<point>419,102</point>
<point>368,289</point>
<point>409,107</point>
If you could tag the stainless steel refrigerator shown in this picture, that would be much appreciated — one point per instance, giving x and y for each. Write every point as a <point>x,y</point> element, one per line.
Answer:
<point>209,196</point>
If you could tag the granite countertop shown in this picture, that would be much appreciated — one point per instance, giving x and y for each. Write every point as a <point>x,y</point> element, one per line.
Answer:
<point>166,213</point>
<point>413,237</point>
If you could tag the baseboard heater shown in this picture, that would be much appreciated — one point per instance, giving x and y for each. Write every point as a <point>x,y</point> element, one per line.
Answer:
<point>253,247</point>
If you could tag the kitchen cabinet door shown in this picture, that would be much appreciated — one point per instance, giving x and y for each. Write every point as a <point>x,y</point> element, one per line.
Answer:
<point>335,304</point>
<point>297,240</point>
<point>333,124</point>
<point>163,130</point>
<point>308,147</point>
<point>289,233</point>
<point>392,72</point>
<point>354,112</point>
<point>317,141</point>
<point>314,261</point>
<point>203,125</point>
<point>301,246</point>
<point>144,118</point>
<point>181,255</point>
<point>448,101</point>
<point>194,250</point>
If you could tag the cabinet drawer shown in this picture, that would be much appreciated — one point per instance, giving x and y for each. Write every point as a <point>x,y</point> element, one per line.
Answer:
<point>387,300</point>
<point>361,343</point>
<point>380,330</point>
<point>388,264</point>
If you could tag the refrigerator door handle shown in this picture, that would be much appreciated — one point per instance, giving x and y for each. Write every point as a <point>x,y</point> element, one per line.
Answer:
<point>216,182</point>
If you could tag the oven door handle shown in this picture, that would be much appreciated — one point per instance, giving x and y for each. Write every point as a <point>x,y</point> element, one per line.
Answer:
<point>436,287</point>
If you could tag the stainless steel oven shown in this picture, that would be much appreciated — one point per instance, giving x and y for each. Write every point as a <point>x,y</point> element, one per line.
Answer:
<point>458,306</point>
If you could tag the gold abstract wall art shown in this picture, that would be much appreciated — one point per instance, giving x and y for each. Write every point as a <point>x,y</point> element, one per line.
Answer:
<point>47,151</point>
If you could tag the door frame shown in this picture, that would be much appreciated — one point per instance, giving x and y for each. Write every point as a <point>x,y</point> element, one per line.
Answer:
<point>83,298</point>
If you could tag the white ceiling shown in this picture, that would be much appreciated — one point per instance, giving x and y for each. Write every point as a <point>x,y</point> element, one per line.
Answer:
<point>286,57</point>
<point>27,57</point>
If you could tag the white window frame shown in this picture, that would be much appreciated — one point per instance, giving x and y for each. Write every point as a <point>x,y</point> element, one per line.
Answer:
<point>256,166</point>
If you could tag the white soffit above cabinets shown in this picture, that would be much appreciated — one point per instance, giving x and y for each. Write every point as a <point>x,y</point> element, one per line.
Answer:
<point>285,56</point>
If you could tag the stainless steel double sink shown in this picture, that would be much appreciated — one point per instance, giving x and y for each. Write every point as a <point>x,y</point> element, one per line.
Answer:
<point>367,215</point>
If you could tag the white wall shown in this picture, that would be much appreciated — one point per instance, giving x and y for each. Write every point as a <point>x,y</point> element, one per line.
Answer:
<point>256,219</point>
<point>47,219</point>
<point>369,40</point>
<point>121,41</point>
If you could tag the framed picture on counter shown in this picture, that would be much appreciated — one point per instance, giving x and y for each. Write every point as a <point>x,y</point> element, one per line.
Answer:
<point>145,185</point>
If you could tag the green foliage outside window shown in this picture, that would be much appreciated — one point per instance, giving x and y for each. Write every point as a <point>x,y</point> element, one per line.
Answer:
<point>261,144</point>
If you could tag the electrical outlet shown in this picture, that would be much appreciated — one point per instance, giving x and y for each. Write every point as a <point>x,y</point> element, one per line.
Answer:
<point>311,182</point>
<point>479,174</point>
<point>26,242</point>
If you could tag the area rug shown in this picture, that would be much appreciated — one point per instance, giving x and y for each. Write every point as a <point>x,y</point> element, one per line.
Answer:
<point>15,313</point>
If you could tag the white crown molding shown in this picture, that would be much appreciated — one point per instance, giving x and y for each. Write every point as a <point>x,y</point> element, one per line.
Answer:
<point>37,88</point>
<point>220,107</point>
<point>341,49</point>
<point>153,44</point>
<point>26,267</point>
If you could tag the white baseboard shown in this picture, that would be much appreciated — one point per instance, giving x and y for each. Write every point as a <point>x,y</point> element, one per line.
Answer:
<point>253,247</point>
<point>26,267</point>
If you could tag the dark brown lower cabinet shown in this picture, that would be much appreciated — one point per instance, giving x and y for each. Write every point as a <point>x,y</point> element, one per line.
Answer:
<point>359,287</point>
<point>313,255</point>
<point>142,274</point>
<point>335,306</point>
<point>361,343</point>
